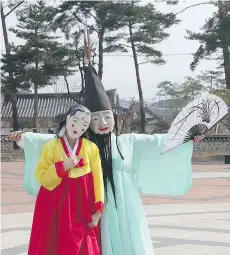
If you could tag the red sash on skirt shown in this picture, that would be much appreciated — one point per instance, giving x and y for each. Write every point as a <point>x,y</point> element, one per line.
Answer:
<point>61,217</point>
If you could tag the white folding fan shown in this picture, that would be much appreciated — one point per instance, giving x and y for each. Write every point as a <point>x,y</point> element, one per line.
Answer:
<point>196,118</point>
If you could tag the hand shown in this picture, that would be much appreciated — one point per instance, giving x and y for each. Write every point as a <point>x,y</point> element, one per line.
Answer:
<point>70,162</point>
<point>95,219</point>
<point>198,138</point>
<point>15,136</point>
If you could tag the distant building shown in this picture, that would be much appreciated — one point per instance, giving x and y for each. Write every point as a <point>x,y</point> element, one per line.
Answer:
<point>50,106</point>
<point>158,120</point>
<point>154,122</point>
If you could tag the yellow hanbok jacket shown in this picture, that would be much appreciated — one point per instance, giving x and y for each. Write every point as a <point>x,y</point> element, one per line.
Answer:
<point>67,200</point>
<point>54,152</point>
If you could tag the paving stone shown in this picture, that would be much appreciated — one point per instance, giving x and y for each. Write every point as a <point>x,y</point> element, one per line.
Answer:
<point>195,224</point>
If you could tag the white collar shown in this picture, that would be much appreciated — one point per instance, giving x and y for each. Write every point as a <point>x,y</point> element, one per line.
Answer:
<point>71,151</point>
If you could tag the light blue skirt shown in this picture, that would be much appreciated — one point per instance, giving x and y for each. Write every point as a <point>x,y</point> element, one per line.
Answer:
<point>124,230</point>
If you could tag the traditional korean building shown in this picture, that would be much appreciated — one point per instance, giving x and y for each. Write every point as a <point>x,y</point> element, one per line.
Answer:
<point>50,107</point>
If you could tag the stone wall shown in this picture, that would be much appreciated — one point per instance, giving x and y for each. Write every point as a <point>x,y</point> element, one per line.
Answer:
<point>6,147</point>
<point>8,154</point>
<point>212,148</point>
<point>25,124</point>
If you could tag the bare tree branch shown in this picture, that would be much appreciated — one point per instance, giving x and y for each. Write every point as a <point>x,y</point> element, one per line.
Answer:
<point>194,5</point>
<point>15,7</point>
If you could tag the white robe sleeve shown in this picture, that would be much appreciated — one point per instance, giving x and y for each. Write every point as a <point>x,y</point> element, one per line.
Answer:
<point>157,174</point>
<point>33,144</point>
<point>21,143</point>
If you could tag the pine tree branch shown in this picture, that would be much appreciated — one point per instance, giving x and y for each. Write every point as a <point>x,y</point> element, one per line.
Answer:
<point>121,44</point>
<point>15,7</point>
<point>6,6</point>
<point>88,12</point>
<point>3,76</point>
<point>145,62</point>
<point>79,20</point>
<point>191,6</point>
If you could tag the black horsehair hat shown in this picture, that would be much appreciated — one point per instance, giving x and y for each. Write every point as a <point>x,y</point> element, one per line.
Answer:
<point>96,98</point>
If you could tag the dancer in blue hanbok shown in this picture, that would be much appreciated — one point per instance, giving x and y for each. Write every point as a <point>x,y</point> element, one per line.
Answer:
<point>131,163</point>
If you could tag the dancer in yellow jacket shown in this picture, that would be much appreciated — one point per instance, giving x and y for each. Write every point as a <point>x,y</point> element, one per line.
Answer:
<point>71,198</point>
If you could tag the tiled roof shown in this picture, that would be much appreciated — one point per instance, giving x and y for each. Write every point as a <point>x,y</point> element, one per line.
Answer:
<point>217,138</point>
<point>49,105</point>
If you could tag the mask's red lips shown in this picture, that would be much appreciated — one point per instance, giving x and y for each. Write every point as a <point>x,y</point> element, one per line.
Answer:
<point>103,129</point>
<point>75,132</point>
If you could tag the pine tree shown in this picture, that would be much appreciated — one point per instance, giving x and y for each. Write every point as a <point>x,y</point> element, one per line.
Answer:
<point>191,88</point>
<point>120,27</point>
<point>71,14</point>
<point>215,37</point>
<point>18,81</point>
<point>8,75</point>
<point>145,29</point>
<point>212,80</point>
<point>178,95</point>
<point>43,57</point>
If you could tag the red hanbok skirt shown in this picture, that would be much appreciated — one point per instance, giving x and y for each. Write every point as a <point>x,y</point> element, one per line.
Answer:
<point>61,217</point>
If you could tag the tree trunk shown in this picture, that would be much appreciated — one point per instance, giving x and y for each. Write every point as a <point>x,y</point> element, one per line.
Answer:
<point>141,100</point>
<point>35,117</point>
<point>13,88</point>
<point>225,47</point>
<point>100,52</point>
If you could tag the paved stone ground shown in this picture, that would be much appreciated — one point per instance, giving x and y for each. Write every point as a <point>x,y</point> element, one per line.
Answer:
<point>196,224</point>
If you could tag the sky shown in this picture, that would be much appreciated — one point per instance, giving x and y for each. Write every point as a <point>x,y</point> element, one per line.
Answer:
<point>119,71</point>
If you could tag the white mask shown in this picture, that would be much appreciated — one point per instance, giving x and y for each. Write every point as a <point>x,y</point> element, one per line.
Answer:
<point>77,124</point>
<point>102,122</point>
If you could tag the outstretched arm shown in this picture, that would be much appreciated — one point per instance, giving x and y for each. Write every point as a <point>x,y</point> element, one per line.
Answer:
<point>21,137</point>
<point>17,137</point>
<point>32,143</point>
<point>167,174</point>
